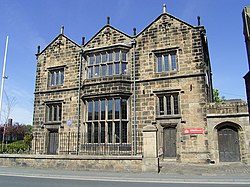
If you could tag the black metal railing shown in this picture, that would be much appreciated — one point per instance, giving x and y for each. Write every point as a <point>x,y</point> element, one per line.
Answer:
<point>106,149</point>
<point>66,143</point>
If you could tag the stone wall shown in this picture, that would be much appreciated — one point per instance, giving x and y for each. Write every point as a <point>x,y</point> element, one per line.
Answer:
<point>234,114</point>
<point>91,163</point>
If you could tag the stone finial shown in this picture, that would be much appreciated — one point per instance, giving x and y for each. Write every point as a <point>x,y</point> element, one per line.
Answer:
<point>199,20</point>
<point>83,40</point>
<point>134,29</point>
<point>164,8</point>
<point>38,49</point>
<point>108,20</point>
<point>62,29</point>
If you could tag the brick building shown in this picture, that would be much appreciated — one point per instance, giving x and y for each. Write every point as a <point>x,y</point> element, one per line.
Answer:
<point>96,98</point>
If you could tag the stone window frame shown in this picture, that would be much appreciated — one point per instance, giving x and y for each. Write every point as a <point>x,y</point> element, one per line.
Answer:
<point>107,130</point>
<point>99,60</point>
<point>58,74</point>
<point>166,95</point>
<point>53,112</point>
<point>169,53</point>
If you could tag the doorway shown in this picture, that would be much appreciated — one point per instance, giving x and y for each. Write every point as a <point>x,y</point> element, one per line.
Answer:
<point>53,139</point>
<point>169,142</point>
<point>228,142</point>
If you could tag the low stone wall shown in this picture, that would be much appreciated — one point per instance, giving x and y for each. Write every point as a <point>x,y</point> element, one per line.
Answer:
<point>74,162</point>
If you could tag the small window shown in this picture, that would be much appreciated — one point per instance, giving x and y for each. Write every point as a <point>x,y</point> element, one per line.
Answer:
<point>168,104</point>
<point>54,112</point>
<point>166,62</point>
<point>56,77</point>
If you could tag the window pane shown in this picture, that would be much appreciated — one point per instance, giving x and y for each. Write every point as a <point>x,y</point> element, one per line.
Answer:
<point>161,105</point>
<point>173,62</point>
<point>103,106</point>
<point>110,102</point>
<point>103,70</point>
<point>159,64</point>
<point>110,132</point>
<point>55,113</point>
<point>124,108</point>
<point>117,132</point>
<point>117,68</point>
<point>110,66</point>
<point>91,60</point>
<point>104,58</point>
<point>166,63</point>
<point>110,56</point>
<point>124,68</point>
<point>62,77</point>
<point>98,59</point>
<point>90,109</point>
<point>124,56</point>
<point>96,110</point>
<point>168,104</point>
<point>176,104</point>
<point>57,78</point>
<point>52,78</point>
<point>102,132</point>
<point>59,112</point>
<point>124,132</point>
<point>96,133</point>
<point>97,71</point>
<point>90,72</point>
<point>117,108</point>
<point>89,129</point>
<point>117,55</point>
<point>50,112</point>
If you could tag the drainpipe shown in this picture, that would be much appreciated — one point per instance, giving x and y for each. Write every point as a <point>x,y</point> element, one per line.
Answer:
<point>79,104</point>
<point>133,43</point>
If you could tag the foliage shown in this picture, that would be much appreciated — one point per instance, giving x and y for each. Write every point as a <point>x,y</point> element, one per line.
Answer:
<point>15,138</point>
<point>216,96</point>
<point>16,147</point>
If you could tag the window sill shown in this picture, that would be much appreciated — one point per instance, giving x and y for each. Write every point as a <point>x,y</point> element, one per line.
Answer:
<point>176,116</point>
<point>53,123</point>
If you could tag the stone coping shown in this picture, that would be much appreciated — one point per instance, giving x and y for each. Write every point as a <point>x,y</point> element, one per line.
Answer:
<point>70,157</point>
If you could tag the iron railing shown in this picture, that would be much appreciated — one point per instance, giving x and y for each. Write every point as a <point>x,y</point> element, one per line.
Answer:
<point>66,143</point>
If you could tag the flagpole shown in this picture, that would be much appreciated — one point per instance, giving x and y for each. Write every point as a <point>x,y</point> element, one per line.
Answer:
<point>3,76</point>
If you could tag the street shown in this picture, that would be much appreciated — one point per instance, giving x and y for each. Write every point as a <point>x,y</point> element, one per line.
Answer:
<point>26,177</point>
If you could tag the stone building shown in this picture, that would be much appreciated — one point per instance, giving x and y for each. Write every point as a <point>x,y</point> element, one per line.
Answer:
<point>96,98</point>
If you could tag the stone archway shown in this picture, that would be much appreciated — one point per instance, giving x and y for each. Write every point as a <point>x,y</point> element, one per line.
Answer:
<point>228,142</point>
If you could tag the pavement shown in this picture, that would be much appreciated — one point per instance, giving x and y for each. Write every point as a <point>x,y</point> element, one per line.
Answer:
<point>222,169</point>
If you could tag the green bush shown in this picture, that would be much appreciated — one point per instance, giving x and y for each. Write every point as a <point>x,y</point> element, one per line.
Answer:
<point>15,147</point>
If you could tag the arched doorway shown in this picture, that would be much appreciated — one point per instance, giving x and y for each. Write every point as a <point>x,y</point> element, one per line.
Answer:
<point>228,142</point>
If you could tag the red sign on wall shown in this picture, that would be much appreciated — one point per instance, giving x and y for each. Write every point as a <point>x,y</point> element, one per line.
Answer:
<point>193,131</point>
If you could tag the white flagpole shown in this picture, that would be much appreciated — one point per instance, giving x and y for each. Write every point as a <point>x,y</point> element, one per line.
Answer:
<point>3,75</point>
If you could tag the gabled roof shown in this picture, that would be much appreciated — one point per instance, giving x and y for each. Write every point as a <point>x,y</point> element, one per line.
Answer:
<point>107,26</point>
<point>171,16</point>
<point>60,35</point>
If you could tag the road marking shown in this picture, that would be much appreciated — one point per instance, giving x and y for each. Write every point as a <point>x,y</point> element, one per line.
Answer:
<point>129,180</point>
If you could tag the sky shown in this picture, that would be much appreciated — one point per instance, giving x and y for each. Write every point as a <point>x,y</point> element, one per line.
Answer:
<point>30,23</point>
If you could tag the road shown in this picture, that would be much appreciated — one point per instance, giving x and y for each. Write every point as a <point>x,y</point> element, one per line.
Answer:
<point>26,177</point>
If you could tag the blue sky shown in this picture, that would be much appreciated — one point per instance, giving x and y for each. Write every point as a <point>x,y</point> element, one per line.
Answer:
<point>30,23</point>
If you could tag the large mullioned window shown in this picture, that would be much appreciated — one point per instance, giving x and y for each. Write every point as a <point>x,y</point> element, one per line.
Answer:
<point>107,63</point>
<point>107,120</point>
